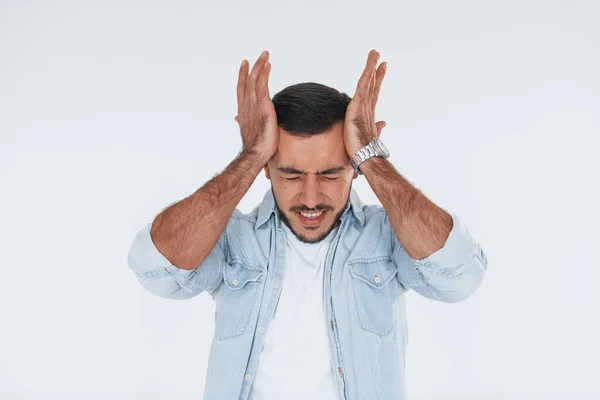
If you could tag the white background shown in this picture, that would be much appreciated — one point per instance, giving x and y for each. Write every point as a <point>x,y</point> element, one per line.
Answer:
<point>111,110</point>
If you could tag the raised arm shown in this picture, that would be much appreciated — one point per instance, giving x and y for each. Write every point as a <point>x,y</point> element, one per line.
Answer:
<point>435,253</point>
<point>182,249</point>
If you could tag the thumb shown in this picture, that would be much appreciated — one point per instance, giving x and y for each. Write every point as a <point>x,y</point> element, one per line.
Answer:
<point>380,125</point>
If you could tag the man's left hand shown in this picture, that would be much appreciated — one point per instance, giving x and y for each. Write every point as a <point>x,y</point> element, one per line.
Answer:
<point>359,124</point>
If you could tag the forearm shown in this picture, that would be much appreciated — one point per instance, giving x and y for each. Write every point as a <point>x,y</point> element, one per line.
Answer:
<point>421,226</point>
<point>186,232</point>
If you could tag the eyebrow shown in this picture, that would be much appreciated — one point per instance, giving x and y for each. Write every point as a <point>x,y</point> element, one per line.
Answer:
<point>329,171</point>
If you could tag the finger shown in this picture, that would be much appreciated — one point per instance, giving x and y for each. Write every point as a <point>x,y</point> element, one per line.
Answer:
<point>380,125</point>
<point>237,119</point>
<point>378,79</point>
<point>262,86</point>
<point>256,69</point>
<point>371,85</point>
<point>241,86</point>
<point>363,82</point>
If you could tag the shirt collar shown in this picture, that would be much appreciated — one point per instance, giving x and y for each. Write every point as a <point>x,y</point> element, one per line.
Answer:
<point>268,207</point>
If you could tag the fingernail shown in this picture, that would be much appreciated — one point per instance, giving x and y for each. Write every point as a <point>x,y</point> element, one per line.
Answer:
<point>262,55</point>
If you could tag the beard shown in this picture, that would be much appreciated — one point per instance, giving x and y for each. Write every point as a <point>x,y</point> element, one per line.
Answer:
<point>336,221</point>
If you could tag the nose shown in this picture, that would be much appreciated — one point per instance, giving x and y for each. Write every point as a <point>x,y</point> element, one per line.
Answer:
<point>311,196</point>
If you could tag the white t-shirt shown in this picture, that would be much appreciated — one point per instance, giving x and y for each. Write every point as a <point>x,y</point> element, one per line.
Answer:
<point>295,361</point>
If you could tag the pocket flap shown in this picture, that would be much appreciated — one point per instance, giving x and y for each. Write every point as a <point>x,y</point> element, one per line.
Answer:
<point>237,275</point>
<point>376,272</point>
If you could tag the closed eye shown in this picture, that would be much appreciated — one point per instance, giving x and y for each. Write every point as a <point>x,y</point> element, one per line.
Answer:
<point>328,178</point>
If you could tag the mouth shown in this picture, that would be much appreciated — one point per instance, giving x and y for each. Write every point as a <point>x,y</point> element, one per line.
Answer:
<point>311,218</point>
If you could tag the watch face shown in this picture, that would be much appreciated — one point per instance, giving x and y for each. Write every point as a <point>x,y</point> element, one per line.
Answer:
<point>382,148</point>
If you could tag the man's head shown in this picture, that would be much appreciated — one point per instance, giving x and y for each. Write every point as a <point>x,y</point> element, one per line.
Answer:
<point>310,172</point>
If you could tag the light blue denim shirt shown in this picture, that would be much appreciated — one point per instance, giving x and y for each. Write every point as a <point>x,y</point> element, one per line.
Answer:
<point>367,276</point>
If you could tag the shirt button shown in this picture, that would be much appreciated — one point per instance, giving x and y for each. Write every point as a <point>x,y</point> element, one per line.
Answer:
<point>340,371</point>
<point>261,329</point>
<point>276,285</point>
<point>248,377</point>
<point>235,282</point>
<point>377,279</point>
<point>280,246</point>
<point>331,322</point>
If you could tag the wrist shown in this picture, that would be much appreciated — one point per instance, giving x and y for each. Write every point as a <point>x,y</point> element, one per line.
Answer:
<point>353,148</point>
<point>375,148</point>
<point>252,159</point>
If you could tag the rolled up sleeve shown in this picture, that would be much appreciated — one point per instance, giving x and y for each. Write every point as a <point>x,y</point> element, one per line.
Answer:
<point>450,274</point>
<point>160,277</point>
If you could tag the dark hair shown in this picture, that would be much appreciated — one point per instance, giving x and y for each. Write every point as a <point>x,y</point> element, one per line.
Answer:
<point>310,108</point>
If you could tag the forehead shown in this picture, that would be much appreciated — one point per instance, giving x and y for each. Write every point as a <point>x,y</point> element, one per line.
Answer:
<point>311,153</point>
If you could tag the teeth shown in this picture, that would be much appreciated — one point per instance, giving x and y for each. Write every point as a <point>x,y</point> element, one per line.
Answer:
<point>311,215</point>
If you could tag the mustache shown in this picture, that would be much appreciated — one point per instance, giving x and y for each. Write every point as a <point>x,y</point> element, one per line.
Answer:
<point>316,209</point>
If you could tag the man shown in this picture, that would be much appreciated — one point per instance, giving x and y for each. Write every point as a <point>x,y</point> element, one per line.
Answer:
<point>310,286</point>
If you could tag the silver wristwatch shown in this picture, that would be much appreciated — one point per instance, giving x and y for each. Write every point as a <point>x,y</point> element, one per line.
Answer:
<point>375,148</point>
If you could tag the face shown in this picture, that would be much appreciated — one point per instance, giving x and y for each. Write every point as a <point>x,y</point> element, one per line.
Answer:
<point>311,179</point>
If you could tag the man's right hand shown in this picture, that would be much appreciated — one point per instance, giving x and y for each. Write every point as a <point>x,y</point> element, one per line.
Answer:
<point>187,232</point>
<point>256,113</point>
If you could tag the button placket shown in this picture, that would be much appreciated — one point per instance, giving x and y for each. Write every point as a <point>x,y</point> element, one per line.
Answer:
<point>265,316</point>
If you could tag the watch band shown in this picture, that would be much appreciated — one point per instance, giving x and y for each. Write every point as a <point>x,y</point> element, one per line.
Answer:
<point>374,148</point>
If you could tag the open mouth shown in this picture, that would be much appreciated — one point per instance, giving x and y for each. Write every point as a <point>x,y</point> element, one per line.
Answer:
<point>311,218</point>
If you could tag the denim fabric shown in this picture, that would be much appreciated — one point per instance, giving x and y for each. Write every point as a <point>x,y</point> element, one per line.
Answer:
<point>367,274</point>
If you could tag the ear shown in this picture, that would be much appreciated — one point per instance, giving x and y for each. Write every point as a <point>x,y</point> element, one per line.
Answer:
<point>267,172</point>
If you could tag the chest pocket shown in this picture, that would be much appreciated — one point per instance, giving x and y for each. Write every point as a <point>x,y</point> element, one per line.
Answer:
<point>374,293</point>
<point>239,294</point>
